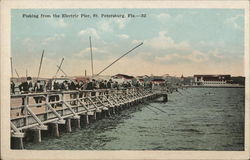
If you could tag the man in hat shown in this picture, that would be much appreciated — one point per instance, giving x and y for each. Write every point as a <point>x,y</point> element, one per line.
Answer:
<point>94,86</point>
<point>38,88</point>
<point>25,88</point>
<point>109,84</point>
<point>73,86</point>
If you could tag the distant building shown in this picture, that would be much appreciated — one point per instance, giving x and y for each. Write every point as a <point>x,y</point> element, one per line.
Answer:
<point>81,78</point>
<point>158,81</point>
<point>209,80</point>
<point>120,78</point>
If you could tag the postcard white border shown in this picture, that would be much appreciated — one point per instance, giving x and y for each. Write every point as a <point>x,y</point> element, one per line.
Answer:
<point>6,153</point>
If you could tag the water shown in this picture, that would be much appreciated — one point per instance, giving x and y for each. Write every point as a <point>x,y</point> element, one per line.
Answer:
<point>194,119</point>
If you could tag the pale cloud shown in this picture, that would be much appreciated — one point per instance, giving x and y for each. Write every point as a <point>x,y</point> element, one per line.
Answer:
<point>121,22</point>
<point>86,52</point>
<point>197,56</point>
<point>163,16</point>
<point>212,43</point>
<point>135,41</point>
<point>194,57</point>
<point>55,37</point>
<point>168,58</point>
<point>59,23</point>
<point>27,41</point>
<point>29,44</point>
<point>165,42</point>
<point>123,36</point>
<point>105,26</point>
<point>216,54</point>
<point>89,32</point>
<point>234,21</point>
<point>108,25</point>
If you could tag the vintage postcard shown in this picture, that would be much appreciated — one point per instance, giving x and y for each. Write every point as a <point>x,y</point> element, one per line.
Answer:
<point>125,80</point>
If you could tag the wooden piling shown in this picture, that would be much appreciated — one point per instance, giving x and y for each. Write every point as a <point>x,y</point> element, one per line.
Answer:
<point>94,116</point>
<point>108,113</point>
<point>103,114</point>
<point>98,115</point>
<point>165,97</point>
<point>37,136</point>
<point>85,119</point>
<point>113,110</point>
<point>17,143</point>
<point>78,123</point>
<point>68,125</point>
<point>55,130</point>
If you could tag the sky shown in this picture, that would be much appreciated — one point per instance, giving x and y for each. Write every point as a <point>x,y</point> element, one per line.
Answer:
<point>175,41</point>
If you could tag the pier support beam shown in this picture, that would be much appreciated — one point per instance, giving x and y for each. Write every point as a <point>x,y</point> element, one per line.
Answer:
<point>55,130</point>
<point>103,113</point>
<point>98,115</point>
<point>37,136</point>
<point>68,125</point>
<point>113,110</point>
<point>165,98</point>
<point>85,119</point>
<point>94,116</point>
<point>77,123</point>
<point>108,113</point>
<point>17,143</point>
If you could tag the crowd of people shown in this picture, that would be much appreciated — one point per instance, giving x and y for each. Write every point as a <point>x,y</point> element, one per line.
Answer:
<point>54,85</point>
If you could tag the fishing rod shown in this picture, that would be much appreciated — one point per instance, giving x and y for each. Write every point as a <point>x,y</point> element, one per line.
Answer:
<point>151,109</point>
<point>156,108</point>
<point>62,71</point>
<point>65,74</point>
<point>179,92</point>
<point>41,61</point>
<point>26,72</point>
<point>90,44</point>
<point>59,67</point>
<point>119,58</point>
<point>17,73</point>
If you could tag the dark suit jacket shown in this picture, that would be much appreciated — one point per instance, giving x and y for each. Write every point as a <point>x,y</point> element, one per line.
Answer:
<point>25,86</point>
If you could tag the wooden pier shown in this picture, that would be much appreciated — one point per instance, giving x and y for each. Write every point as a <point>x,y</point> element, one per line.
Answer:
<point>68,108</point>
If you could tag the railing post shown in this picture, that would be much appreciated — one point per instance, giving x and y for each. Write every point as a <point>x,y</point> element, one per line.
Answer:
<point>26,103</point>
<point>76,101</point>
<point>63,105</point>
<point>46,107</point>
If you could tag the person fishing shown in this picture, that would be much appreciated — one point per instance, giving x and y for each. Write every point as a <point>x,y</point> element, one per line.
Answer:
<point>94,86</point>
<point>38,88</point>
<point>109,86</point>
<point>55,97</point>
<point>80,88</point>
<point>25,88</point>
<point>72,86</point>
<point>12,87</point>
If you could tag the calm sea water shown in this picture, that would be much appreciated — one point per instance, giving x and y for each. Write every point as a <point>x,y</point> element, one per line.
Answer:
<point>193,119</point>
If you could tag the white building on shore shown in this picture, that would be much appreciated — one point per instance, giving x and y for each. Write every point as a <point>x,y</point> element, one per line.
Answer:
<point>212,80</point>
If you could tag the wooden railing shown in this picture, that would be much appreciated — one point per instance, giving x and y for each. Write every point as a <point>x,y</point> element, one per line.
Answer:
<point>55,106</point>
